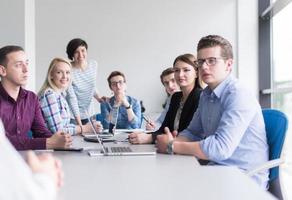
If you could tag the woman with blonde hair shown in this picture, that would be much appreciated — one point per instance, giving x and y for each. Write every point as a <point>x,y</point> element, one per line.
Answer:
<point>55,109</point>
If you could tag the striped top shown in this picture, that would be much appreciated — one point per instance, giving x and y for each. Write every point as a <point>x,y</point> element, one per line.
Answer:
<point>56,112</point>
<point>82,89</point>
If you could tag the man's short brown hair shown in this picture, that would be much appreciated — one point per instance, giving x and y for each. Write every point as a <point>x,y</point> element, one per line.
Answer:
<point>4,51</point>
<point>166,72</point>
<point>216,40</point>
<point>113,74</point>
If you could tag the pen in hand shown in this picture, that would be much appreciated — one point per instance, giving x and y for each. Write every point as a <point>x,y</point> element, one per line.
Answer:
<point>150,125</point>
<point>147,120</point>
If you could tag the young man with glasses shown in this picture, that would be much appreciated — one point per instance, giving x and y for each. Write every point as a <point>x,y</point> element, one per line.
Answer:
<point>228,127</point>
<point>128,108</point>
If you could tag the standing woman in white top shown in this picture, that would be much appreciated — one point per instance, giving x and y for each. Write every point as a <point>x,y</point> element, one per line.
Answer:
<point>83,87</point>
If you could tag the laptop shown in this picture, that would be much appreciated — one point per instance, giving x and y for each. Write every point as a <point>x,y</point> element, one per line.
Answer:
<point>120,150</point>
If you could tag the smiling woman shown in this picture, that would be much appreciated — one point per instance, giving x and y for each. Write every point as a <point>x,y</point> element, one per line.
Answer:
<point>182,105</point>
<point>83,87</point>
<point>54,106</point>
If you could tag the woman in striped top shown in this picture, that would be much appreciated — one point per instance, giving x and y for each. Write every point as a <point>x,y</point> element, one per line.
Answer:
<point>83,87</point>
<point>54,106</point>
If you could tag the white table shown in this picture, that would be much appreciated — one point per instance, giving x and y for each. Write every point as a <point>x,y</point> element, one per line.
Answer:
<point>167,177</point>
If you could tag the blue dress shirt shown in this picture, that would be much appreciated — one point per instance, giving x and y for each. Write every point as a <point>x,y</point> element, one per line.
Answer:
<point>122,122</point>
<point>230,127</point>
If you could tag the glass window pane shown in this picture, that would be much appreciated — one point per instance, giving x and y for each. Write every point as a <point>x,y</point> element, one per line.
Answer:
<point>282,58</point>
<point>282,82</point>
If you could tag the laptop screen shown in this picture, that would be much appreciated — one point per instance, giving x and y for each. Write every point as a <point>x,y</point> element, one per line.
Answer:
<point>95,133</point>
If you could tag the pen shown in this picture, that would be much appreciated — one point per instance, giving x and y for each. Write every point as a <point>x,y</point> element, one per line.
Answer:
<point>147,120</point>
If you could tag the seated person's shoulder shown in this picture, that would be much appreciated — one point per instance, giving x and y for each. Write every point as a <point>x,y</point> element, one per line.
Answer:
<point>47,92</point>
<point>107,103</point>
<point>176,95</point>
<point>132,100</point>
<point>238,89</point>
<point>198,90</point>
<point>30,94</point>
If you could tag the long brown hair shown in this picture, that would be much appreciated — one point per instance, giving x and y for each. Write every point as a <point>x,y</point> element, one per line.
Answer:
<point>190,59</point>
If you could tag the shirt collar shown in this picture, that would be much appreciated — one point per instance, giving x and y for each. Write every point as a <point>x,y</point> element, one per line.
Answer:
<point>22,93</point>
<point>220,88</point>
<point>4,94</point>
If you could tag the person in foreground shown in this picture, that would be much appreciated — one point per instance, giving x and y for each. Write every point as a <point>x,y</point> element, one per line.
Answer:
<point>228,127</point>
<point>39,178</point>
<point>183,104</point>
<point>168,81</point>
<point>54,106</point>
<point>20,109</point>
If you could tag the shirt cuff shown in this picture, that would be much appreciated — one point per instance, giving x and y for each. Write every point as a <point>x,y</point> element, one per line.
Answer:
<point>38,143</point>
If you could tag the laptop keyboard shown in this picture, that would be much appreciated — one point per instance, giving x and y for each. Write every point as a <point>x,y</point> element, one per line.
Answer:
<point>119,149</point>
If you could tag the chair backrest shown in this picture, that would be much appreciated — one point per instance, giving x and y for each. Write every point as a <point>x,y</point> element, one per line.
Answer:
<point>276,123</point>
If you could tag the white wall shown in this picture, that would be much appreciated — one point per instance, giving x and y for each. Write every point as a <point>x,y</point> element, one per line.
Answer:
<point>29,38</point>
<point>12,28</point>
<point>18,28</point>
<point>247,43</point>
<point>140,38</point>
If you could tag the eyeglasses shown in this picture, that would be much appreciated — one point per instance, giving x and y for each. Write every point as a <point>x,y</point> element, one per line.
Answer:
<point>115,83</point>
<point>211,61</point>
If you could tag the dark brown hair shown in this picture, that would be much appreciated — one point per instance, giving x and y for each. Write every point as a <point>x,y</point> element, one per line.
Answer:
<point>216,40</point>
<point>189,59</point>
<point>113,74</point>
<point>73,45</point>
<point>166,72</point>
<point>4,51</point>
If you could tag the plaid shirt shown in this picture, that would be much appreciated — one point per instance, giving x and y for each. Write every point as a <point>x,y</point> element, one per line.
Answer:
<point>56,112</point>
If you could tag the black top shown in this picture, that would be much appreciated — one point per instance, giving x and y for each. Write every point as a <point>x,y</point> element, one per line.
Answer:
<point>189,108</point>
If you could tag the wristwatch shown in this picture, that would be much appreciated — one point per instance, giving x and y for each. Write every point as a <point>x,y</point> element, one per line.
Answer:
<point>169,148</point>
<point>129,107</point>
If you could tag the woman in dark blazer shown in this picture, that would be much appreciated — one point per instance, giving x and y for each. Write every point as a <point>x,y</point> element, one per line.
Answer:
<point>183,104</point>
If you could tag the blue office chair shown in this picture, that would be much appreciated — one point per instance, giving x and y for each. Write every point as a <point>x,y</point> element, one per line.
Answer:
<point>30,134</point>
<point>276,124</point>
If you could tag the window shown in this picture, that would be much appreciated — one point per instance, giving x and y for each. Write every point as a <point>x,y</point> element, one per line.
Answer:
<point>275,64</point>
